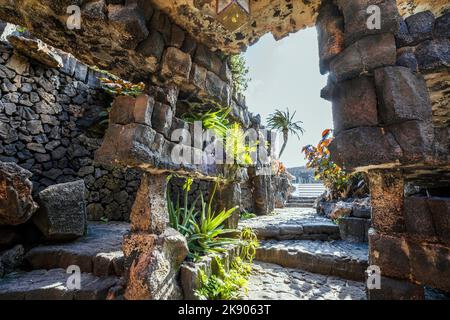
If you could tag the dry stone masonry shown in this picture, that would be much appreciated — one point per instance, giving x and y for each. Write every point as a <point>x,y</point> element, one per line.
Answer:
<point>390,102</point>
<point>45,116</point>
<point>390,110</point>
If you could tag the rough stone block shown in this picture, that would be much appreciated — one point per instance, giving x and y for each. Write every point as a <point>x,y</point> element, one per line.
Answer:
<point>37,50</point>
<point>433,54</point>
<point>127,110</point>
<point>357,17</point>
<point>362,208</point>
<point>389,253</point>
<point>418,219</point>
<point>402,36</point>
<point>198,76</point>
<point>354,229</point>
<point>330,29</point>
<point>130,25</point>
<point>440,212</point>
<point>16,201</point>
<point>263,195</point>
<point>364,56</point>
<point>62,212</point>
<point>152,48</point>
<point>189,45</point>
<point>355,104</point>
<point>162,118</point>
<point>133,145</point>
<point>184,133</point>
<point>402,95</point>
<point>364,146</point>
<point>406,58</point>
<point>393,289</point>
<point>387,194</point>
<point>225,72</point>
<point>153,263</point>
<point>161,23</point>
<point>166,95</point>
<point>415,138</point>
<point>141,5</point>
<point>176,65</point>
<point>11,259</point>
<point>217,88</point>
<point>430,264</point>
<point>420,26</point>
<point>149,212</point>
<point>442,26</point>
<point>208,59</point>
<point>177,36</point>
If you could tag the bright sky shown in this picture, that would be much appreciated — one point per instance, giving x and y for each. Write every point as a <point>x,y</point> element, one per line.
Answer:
<point>285,74</point>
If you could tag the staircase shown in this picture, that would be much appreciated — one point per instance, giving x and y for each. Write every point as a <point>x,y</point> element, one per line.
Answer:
<point>305,252</point>
<point>305,195</point>
<point>98,255</point>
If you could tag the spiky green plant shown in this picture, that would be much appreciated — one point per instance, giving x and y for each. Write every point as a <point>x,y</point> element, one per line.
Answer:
<point>284,122</point>
<point>203,228</point>
<point>215,118</point>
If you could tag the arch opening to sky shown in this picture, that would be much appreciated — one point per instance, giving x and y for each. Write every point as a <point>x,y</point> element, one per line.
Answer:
<point>285,74</point>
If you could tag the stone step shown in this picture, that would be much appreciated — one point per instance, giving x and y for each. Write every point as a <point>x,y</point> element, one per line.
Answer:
<point>99,252</point>
<point>52,285</point>
<point>298,205</point>
<point>302,200</point>
<point>292,224</point>
<point>335,258</point>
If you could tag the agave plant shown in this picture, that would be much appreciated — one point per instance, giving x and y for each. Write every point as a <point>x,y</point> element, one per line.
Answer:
<point>209,234</point>
<point>203,228</point>
<point>284,122</point>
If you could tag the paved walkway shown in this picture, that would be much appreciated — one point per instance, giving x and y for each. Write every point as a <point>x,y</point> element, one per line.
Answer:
<point>273,282</point>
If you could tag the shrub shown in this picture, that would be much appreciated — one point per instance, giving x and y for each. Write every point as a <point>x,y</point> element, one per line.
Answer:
<point>239,72</point>
<point>215,118</point>
<point>337,181</point>
<point>119,87</point>
<point>230,285</point>
<point>225,285</point>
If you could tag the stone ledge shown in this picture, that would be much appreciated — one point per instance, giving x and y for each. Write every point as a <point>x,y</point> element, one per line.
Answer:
<point>100,252</point>
<point>51,285</point>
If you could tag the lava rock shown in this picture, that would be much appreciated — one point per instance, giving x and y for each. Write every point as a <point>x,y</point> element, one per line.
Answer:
<point>62,213</point>
<point>16,203</point>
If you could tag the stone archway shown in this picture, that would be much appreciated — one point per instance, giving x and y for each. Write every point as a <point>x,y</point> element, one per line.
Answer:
<point>380,84</point>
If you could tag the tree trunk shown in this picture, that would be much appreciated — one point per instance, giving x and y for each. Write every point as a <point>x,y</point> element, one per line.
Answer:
<point>285,140</point>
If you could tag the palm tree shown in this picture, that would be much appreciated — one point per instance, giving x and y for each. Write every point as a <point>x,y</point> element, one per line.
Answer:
<point>284,122</point>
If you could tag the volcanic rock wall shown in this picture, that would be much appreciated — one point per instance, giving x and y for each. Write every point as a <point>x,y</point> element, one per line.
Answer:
<point>46,115</point>
<point>389,90</point>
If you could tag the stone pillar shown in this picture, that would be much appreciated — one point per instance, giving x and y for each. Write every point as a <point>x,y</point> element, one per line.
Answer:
<point>228,196</point>
<point>153,252</point>
<point>386,249</point>
<point>383,124</point>
<point>263,195</point>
